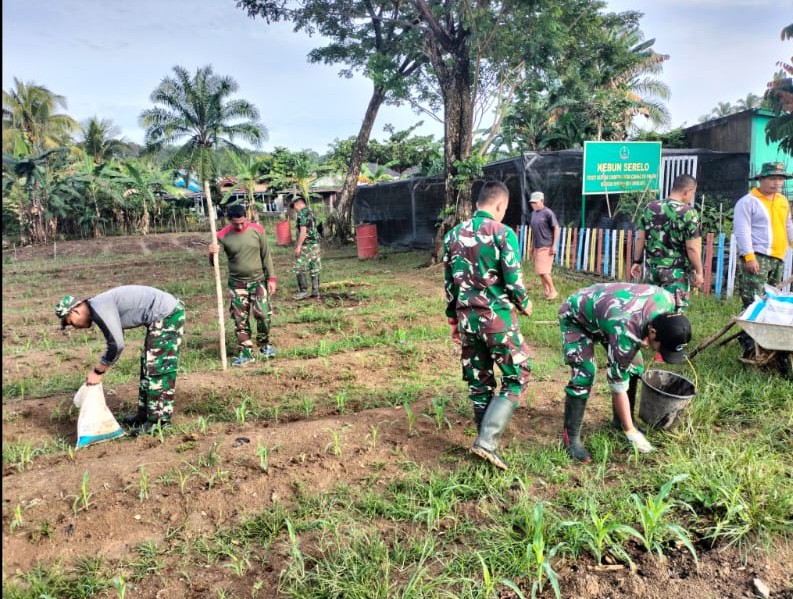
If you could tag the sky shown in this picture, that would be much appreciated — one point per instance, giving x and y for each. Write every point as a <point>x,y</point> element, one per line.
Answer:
<point>107,56</point>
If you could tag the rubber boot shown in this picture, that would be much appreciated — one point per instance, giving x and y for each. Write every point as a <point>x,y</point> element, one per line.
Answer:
<point>302,286</point>
<point>315,286</point>
<point>494,422</point>
<point>136,419</point>
<point>571,436</point>
<point>479,413</point>
<point>632,387</point>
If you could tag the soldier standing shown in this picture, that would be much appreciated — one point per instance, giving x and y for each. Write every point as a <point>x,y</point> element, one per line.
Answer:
<point>251,282</point>
<point>128,307</point>
<point>622,317</point>
<point>484,288</point>
<point>307,252</point>
<point>670,232</point>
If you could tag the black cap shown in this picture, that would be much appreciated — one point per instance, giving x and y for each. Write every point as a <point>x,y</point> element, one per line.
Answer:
<point>673,331</point>
<point>295,200</point>
<point>235,211</point>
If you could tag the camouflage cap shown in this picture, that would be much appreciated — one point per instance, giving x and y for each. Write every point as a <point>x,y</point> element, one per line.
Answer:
<point>673,331</point>
<point>772,169</point>
<point>65,306</point>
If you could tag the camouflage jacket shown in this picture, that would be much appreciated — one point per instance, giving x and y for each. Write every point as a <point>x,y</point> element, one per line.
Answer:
<point>618,315</point>
<point>667,225</point>
<point>305,218</point>
<point>482,275</point>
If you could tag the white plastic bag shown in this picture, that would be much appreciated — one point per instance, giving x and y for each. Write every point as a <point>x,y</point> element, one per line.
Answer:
<point>775,308</point>
<point>96,422</point>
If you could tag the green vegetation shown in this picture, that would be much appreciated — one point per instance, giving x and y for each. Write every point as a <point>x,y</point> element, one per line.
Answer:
<point>401,526</point>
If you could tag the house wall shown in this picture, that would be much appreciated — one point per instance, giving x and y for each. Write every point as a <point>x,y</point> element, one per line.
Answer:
<point>730,134</point>
<point>763,151</point>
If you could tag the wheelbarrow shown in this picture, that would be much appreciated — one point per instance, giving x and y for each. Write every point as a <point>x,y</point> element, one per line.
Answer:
<point>773,343</point>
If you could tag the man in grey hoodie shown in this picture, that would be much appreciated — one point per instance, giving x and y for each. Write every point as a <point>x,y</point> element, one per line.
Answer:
<point>128,307</point>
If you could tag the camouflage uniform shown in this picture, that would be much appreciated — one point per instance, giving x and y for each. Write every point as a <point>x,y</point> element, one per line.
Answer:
<point>250,268</point>
<point>667,226</point>
<point>309,258</point>
<point>159,363</point>
<point>246,297</point>
<point>617,316</point>
<point>484,283</point>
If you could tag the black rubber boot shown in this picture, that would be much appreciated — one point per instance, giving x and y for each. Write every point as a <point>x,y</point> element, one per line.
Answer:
<point>315,286</point>
<point>632,387</point>
<point>573,420</point>
<point>302,286</point>
<point>132,420</point>
<point>494,422</point>
<point>479,413</point>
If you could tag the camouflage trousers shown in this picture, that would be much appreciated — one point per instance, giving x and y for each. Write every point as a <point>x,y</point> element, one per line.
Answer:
<point>673,280</point>
<point>246,297</point>
<point>578,349</point>
<point>750,284</point>
<point>309,260</point>
<point>159,362</point>
<point>508,351</point>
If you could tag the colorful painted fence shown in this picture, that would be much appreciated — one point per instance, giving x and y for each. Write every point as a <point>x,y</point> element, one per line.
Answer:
<point>607,252</point>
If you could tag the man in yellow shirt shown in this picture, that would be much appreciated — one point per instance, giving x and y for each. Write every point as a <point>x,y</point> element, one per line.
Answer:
<point>763,233</point>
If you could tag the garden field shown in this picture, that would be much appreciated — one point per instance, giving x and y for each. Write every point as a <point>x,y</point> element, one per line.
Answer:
<point>341,469</point>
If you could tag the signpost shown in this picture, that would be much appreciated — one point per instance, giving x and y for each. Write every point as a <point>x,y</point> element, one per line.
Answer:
<point>620,167</point>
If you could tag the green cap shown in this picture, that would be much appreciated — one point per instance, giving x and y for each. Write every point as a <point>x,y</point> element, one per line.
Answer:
<point>65,306</point>
<point>772,169</point>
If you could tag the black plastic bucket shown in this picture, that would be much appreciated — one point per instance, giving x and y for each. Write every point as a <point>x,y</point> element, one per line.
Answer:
<point>664,396</point>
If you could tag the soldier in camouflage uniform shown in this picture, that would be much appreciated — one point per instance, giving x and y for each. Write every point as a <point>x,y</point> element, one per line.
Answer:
<point>307,255</point>
<point>670,233</point>
<point>622,317</point>
<point>484,288</point>
<point>127,307</point>
<point>251,282</point>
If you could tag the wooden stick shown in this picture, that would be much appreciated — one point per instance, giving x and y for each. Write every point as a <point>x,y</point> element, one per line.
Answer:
<point>218,287</point>
<point>710,340</point>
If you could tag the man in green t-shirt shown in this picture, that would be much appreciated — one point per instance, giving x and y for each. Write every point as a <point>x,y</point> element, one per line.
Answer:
<point>251,282</point>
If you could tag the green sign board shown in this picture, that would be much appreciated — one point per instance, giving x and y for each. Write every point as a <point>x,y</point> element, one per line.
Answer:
<point>620,167</point>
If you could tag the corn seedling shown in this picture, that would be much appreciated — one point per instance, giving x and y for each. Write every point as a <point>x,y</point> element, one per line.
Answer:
<point>239,565</point>
<point>202,424</point>
<point>143,493</point>
<point>83,500</point>
<point>294,549</point>
<point>17,521</point>
<point>372,436</point>
<point>335,444</point>
<point>241,412</point>
<point>341,401</point>
<point>263,452</point>
<point>120,585</point>
<point>257,586</point>
<point>411,419</point>
<point>653,512</point>
<point>307,404</point>
<point>438,409</point>
<point>602,534</point>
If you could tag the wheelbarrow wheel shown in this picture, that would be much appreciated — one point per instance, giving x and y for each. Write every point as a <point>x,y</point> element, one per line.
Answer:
<point>784,360</point>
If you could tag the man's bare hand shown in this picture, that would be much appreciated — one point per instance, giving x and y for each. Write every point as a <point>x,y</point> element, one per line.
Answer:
<point>636,271</point>
<point>528,309</point>
<point>699,280</point>
<point>213,248</point>
<point>752,266</point>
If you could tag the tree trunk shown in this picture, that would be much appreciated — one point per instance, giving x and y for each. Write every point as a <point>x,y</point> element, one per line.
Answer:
<point>342,217</point>
<point>458,131</point>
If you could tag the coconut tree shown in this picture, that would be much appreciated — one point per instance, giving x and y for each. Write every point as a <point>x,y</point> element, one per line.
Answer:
<point>197,111</point>
<point>30,111</point>
<point>101,140</point>
<point>248,171</point>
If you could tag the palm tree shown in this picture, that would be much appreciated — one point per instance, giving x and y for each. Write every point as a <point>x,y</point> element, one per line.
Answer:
<point>248,173</point>
<point>29,111</point>
<point>101,140</point>
<point>198,108</point>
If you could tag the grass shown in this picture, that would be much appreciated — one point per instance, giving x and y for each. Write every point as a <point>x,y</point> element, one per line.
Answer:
<point>399,527</point>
